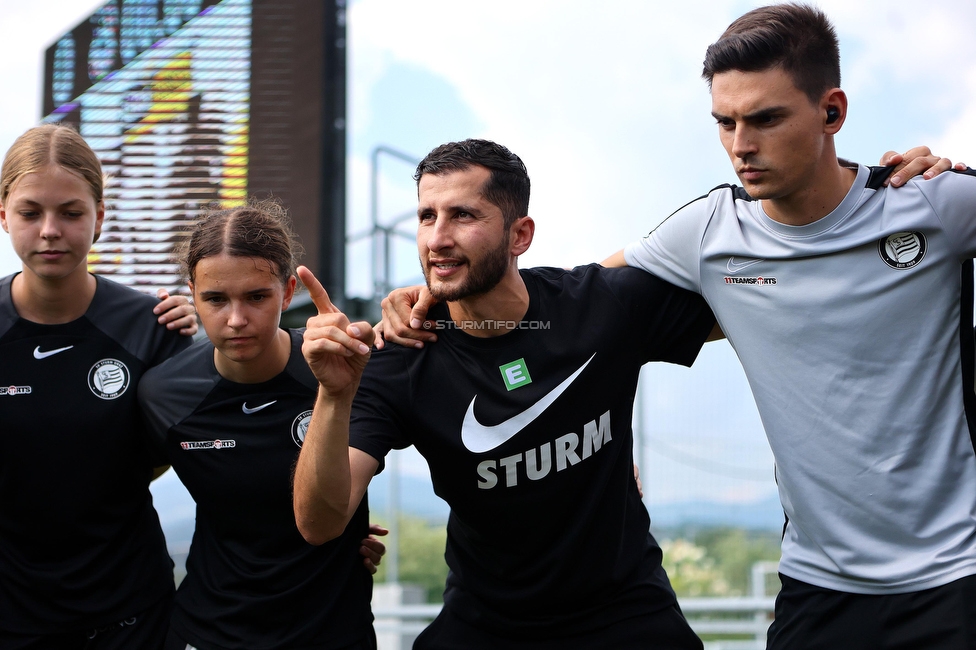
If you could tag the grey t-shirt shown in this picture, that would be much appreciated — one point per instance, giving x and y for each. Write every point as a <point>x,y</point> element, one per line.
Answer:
<point>855,333</point>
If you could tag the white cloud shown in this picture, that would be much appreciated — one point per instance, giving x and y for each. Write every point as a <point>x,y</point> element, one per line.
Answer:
<point>900,59</point>
<point>598,102</point>
<point>605,105</point>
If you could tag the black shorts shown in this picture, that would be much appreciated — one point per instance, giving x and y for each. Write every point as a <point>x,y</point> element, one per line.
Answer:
<point>665,629</point>
<point>814,618</point>
<point>144,630</point>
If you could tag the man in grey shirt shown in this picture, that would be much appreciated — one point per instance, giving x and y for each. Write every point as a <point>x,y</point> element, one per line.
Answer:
<point>850,307</point>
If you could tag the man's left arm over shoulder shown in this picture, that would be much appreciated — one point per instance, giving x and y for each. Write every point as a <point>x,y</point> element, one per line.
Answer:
<point>666,322</point>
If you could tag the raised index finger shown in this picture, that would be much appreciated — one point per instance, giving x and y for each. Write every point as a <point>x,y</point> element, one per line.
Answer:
<point>318,294</point>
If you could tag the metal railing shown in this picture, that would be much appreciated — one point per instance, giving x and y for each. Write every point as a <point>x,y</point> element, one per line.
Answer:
<point>738,623</point>
<point>383,230</point>
<point>708,617</point>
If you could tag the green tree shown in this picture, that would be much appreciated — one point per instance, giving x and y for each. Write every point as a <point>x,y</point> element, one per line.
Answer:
<point>421,556</point>
<point>691,571</point>
<point>735,550</point>
<point>699,562</point>
<point>717,561</point>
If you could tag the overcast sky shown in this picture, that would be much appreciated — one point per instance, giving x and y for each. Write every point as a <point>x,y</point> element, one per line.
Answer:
<point>606,108</point>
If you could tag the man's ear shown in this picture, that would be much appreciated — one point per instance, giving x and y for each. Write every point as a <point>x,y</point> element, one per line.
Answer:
<point>522,232</point>
<point>833,105</point>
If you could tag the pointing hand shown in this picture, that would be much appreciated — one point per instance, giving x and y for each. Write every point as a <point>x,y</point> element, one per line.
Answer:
<point>335,349</point>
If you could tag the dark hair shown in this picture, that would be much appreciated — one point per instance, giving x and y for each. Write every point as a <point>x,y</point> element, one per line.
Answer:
<point>257,229</point>
<point>508,185</point>
<point>797,37</point>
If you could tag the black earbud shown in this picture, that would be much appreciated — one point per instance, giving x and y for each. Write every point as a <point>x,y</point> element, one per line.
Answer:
<point>833,114</point>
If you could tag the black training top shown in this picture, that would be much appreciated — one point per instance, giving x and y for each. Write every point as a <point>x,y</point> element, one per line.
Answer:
<point>252,581</point>
<point>80,543</point>
<point>528,438</point>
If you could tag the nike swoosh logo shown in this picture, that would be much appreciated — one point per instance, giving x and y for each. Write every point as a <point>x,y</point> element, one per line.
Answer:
<point>248,411</point>
<point>478,438</point>
<point>735,267</point>
<point>44,355</point>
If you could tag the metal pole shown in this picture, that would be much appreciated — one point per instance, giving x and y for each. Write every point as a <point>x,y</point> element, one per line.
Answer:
<point>332,217</point>
<point>381,234</point>
<point>393,512</point>
<point>381,286</point>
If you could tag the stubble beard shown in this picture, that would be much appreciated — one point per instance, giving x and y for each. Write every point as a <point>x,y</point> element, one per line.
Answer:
<point>481,278</point>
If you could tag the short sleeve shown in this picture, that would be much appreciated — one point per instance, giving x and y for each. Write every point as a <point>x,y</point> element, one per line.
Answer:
<point>668,323</point>
<point>672,251</point>
<point>377,423</point>
<point>173,390</point>
<point>154,428</point>
<point>171,344</point>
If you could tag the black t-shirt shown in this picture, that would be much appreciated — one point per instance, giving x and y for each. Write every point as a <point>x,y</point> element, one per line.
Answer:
<point>528,438</point>
<point>252,581</point>
<point>80,543</point>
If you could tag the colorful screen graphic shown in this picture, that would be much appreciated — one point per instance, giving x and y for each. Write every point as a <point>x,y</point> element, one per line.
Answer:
<point>161,91</point>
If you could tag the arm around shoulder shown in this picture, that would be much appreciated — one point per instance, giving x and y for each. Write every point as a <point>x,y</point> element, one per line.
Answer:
<point>615,261</point>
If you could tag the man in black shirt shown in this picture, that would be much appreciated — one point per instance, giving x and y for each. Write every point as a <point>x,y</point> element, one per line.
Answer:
<point>523,412</point>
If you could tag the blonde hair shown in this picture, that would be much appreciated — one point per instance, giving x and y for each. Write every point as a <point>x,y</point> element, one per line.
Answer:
<point>51,144</point>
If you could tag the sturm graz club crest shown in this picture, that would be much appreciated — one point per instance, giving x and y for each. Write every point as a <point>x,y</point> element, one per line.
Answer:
<point>902,250</point>
<point>299,427</point>
<point>108,378</point>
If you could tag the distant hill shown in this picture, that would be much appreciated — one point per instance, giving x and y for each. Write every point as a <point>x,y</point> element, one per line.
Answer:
<point>417,498</point>
<point>758,515</point>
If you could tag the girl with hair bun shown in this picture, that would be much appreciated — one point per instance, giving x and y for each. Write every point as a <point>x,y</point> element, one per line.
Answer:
<point>83,563</point>
<point>230,415</point>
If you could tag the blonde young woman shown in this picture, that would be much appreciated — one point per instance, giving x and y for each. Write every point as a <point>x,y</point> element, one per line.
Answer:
<point>83,563</point>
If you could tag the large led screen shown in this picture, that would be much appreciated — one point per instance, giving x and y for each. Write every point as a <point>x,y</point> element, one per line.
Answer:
<point>160,90</point>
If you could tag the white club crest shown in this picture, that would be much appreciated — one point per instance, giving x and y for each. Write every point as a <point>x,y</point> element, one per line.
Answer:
<point>902,250</point>
<point>108,378</point>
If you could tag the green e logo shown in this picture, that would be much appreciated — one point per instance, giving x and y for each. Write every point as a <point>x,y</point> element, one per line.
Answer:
<point>515,374</point>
